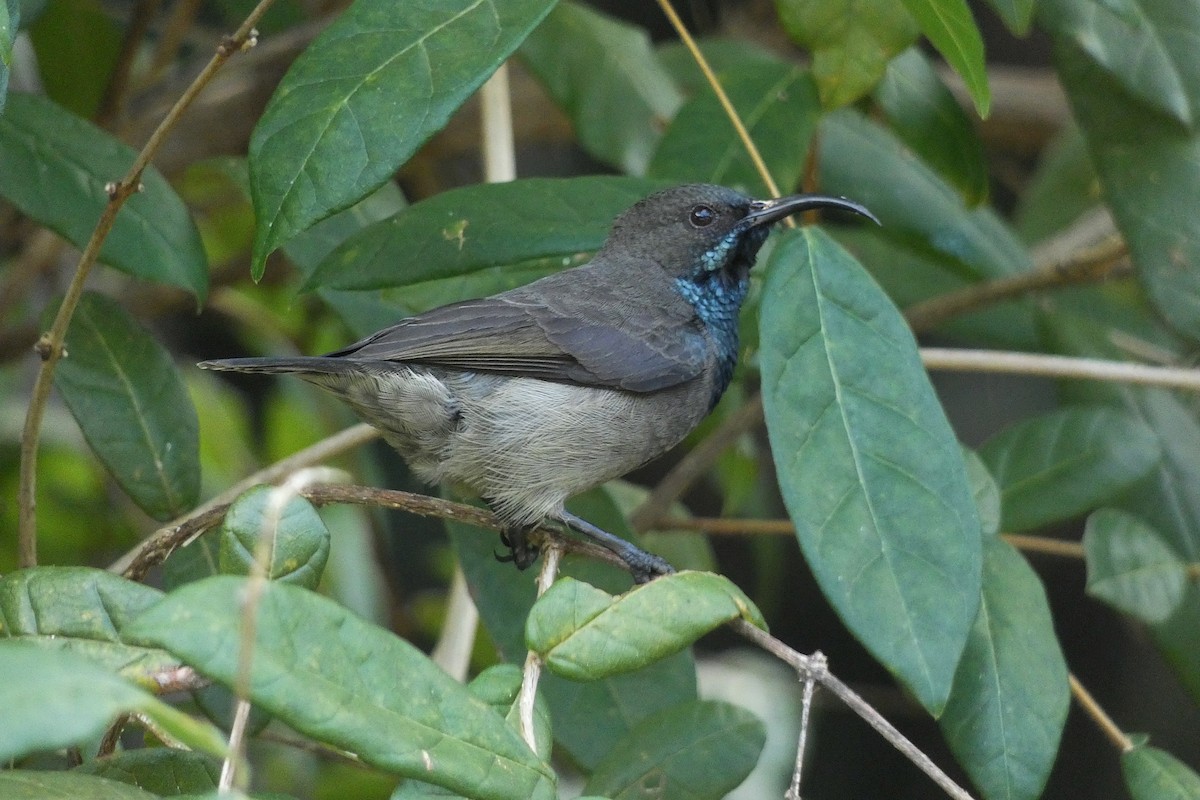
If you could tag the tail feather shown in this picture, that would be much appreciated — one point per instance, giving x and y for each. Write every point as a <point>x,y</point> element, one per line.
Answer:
<point>312,364</point>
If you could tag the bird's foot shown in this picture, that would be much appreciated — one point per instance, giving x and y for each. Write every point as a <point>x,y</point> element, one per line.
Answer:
<point>520,552</point>
<point>643,566</point>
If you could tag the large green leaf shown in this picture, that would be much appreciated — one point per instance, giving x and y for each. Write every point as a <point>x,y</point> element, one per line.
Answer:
<point>80,609</point>
<point>1130,567</point>
<point>928,118</point>
<point>481,226</point>
<point>161,770</point>
<point>333,676</point>
<point>28,785</point>
<point>869,468</point>
<point>1067,462</point>
<point>54,167</point>
<point>53,699</point>
<point>949,25</point>
<point>604,74</point>
<point>1153,774</point>
<point>1147,47</point>
<point>364,96</point>
<point>1149,167</point>
<point>299,540</point>
<point>589,717</point>
<point>132,406</point>
<point>1006,714</point>
<point>586,634</point>
<point>778,104</point>
<point>699,750</point>
<point>851,41</point>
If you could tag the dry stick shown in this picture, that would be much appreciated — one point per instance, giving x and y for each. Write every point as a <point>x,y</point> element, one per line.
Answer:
<point>1044,545</point>
<point>155,548</point>
<point>1093,710</point>
<point>551,558</point>
<point>817,666</point>
<point>50,347</point>
<point>1106,260</point>
<point>962,360</point>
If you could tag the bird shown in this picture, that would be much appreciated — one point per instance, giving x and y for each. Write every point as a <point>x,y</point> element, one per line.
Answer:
<point>541,392</point>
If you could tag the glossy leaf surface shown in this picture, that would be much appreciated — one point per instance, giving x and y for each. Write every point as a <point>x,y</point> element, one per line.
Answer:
<point>869,468</point>
<point>331,675</point>
<point>603,73</point>
<point>1067,462</point>
<point>1006,713</point>
<point>585,634</point>
<point>130,402</point>
<point>364,96</point>
<point>948,24</point>
<point>54,167</point>
<point>1130,567</point>
<point>778,105</point>
<point>481,226</point>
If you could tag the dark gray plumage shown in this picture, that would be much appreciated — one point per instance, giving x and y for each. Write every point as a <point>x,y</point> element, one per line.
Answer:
<point>536,394</point>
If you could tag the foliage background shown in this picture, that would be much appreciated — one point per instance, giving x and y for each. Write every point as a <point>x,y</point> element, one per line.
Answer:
<point>1091,112</point>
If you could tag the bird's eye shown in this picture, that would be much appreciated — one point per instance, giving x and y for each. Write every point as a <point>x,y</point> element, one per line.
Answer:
<point>701,216</point>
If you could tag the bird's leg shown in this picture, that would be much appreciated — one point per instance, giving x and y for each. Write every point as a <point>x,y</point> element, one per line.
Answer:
<point>642,565</point>
<point>519,551</point>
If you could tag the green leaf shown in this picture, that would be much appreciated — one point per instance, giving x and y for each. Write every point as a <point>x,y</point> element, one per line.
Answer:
<point>851,41</point>
<point>700,750</point>
<point>1145,47</point>
<point>53,699</point>
<point>299,545</point>
<point>589,717</point>
<point>1063,188</point>
<point>10,17</point>
<point>132,406</point>
<point>332,676</point>
<point>778,104</point>
<point>604,74</point>
<point>949,26</point>
<point>363,97</point>
<point>83,610</point>
<point>1067,462</point>
<point>722,55</point>
<point>464,230</point>
<point>163,771</point>
<point>308,249</point>
<point>1017,14</point>
<point>927,117</point>
<point>585,634</point>
<point>914,203</point>
<point>1149,168</point>
<point>1005,716</point>
<point>869,468</point>
<point>1131,568</point>
<point>985,491</point>
<point>54,167</point>
<point>1153,774</point>
<point>77,43</point>
<point>28,785</point>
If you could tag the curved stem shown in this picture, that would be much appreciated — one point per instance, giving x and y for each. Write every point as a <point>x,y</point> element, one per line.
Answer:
<point>50,346</point>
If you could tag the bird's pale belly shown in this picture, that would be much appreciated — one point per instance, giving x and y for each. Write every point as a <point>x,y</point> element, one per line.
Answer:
<point>523,444</point>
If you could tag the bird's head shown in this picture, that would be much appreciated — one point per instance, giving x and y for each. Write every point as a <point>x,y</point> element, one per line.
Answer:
<point>697,231</point>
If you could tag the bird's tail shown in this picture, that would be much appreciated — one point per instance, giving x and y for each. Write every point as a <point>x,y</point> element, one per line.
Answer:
<point>301,364</point>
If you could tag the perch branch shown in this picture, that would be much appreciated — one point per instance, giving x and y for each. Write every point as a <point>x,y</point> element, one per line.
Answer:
<point>1103,721</point>
<point>953,359</point>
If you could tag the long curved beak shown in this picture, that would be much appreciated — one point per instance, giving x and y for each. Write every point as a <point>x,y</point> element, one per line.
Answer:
<point>765,212</point>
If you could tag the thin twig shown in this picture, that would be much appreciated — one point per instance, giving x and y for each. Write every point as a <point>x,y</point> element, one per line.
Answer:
<point>695,463</point>
<point>1103,721</point>
<point>806,666</point>
<point>50,346</point>
<point>817,665</point>
<point>938,358</point>
<point>755,157</point>
<point>155,548</point>
<point>1044,545</point>
<point>551,558</point>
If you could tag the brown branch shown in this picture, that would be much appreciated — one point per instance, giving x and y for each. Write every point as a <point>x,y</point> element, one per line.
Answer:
<point>1044,545</point>
<point>1103,721</point>
<point>1104,261</point>
<point>50,346</point>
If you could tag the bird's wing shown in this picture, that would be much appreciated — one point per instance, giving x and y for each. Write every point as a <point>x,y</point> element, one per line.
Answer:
<point>526,339</point>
